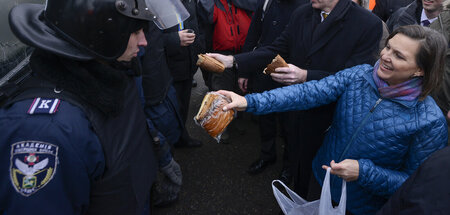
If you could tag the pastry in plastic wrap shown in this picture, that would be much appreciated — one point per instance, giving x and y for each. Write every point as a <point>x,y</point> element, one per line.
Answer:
<point>211,117</point>
<point>278,61</point>
<point>210,64</point>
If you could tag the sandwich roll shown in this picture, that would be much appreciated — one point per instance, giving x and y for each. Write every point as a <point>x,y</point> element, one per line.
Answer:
<point>210,64</point>
<point>277,62</point>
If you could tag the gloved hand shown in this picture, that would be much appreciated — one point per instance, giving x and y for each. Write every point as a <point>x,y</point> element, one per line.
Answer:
<point>173,172</point>
<point>166,193</point>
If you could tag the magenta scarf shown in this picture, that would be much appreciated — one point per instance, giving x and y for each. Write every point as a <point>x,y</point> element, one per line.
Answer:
<point>407,91</point>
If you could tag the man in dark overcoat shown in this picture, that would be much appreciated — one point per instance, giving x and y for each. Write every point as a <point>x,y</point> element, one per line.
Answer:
<point>268,21</point>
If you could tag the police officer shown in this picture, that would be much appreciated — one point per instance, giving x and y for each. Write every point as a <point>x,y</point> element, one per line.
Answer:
<point>74,137</point>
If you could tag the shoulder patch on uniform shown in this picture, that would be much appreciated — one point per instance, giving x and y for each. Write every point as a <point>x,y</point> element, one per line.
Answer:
<point>32,165</point>
<point>44,106</point>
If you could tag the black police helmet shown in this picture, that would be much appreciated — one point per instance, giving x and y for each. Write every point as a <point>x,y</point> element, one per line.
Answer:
<point>81,29</point>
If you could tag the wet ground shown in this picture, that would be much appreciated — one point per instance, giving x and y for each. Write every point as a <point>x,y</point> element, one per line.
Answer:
<point>214,175</point>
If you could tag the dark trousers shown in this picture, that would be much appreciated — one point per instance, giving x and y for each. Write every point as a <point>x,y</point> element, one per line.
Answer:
<point>227,80</point>
<point>183,89</point>
<point>268,134</point>
<point>312,126</point>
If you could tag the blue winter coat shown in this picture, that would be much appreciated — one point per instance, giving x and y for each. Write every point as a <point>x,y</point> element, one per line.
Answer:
<point>389,138</point>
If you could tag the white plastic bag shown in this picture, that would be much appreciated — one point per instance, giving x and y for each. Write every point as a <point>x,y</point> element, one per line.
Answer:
<point>295,205</point>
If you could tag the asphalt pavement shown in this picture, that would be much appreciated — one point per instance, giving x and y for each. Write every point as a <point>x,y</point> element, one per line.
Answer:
<point>215,180</point>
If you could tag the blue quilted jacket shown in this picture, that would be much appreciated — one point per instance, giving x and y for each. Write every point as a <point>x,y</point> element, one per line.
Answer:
<point>389,138</point>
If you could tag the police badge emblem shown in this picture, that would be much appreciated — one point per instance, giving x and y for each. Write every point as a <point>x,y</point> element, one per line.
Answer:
<point>33,165</point>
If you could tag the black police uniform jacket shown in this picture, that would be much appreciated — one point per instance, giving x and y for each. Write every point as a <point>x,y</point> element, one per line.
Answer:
<point>105,168</point>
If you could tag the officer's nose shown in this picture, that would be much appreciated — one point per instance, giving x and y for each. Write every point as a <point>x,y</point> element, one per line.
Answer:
<point>141,38</point>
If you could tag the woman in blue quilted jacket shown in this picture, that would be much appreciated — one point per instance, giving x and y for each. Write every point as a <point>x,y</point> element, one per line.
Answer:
<point>385,124</point>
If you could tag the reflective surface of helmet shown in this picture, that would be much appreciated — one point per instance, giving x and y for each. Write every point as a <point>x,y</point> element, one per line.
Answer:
<point>87,29</point>
<point>12,51</point>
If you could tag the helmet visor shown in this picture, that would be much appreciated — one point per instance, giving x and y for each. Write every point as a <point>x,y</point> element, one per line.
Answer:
<point>167,13</point>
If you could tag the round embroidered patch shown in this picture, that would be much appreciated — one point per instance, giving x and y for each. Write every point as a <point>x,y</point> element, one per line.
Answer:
<point>33,165</point>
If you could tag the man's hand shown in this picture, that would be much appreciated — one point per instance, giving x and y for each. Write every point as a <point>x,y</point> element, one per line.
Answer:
<point>347,169</point>
<point>186,38</point>
<point>227,60</point>
<point>243,84</point>
<point>289,75</point>
<point>238,102</point>
<point>173,172</point>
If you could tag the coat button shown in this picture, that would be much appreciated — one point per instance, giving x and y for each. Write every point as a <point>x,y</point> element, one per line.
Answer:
<point>274,23</point>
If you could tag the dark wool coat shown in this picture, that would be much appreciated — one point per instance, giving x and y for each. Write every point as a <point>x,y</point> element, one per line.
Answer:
<point>181,60</point>
<point>348,37</point>
<point>264,29</point>
<point>409,15</point>
<point>385,8</point>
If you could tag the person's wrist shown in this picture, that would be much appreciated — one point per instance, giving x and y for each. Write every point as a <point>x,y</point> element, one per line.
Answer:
<point>235,66</point>
<point>305,77</point>
<point>229,61</point>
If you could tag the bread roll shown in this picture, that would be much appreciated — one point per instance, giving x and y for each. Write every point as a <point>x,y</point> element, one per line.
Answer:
<point>278,61</point>
<point>210,64</point>
<point>211,116</point>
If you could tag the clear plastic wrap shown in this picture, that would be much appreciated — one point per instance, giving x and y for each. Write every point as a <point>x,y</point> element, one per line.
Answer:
<point>211,117</point>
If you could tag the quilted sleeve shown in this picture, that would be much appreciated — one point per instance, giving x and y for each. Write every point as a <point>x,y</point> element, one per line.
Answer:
<point>385,182</point>
<point>304,96</point>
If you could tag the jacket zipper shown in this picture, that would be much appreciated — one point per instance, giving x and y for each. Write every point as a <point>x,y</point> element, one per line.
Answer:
<point>359,128</point>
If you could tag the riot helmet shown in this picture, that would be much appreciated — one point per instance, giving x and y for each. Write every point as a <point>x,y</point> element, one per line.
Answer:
<point>87,29</point>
